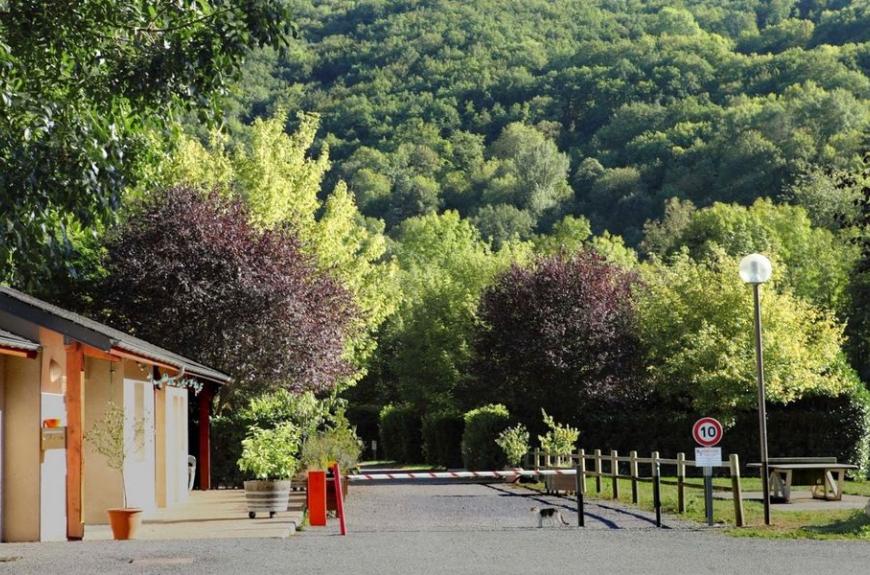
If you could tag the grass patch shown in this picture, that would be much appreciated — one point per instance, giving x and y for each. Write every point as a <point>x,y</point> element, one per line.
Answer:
<point>834,524</point>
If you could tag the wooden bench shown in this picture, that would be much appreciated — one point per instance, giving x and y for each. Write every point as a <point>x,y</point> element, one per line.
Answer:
<point>823,474</point>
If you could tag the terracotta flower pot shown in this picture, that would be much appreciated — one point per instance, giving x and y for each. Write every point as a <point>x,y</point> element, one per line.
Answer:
<point>125,522</point>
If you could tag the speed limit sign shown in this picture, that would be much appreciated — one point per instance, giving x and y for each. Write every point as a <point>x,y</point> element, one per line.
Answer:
<point>707,432</point>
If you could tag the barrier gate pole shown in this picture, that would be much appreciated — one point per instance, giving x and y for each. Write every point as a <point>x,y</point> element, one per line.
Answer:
<point>339,498</point>
<point>578,481</point>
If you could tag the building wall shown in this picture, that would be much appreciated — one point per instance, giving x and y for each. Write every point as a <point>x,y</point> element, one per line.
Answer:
<point>101,484</point>
<point>21,453</point>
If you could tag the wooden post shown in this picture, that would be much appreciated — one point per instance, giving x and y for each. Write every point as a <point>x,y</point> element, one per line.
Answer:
<point>536,460</point>
<point>737,490</point>
<point>632,469</point>
<point>204,462</point>
<point>614,472</point>
<point>75,529</point>
<point>598,466</point>
<point>681,482</point>
<point>581,459</point>
<point>657,487</point>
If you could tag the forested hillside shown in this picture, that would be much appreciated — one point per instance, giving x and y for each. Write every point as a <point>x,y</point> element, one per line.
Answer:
<point>518,113</point>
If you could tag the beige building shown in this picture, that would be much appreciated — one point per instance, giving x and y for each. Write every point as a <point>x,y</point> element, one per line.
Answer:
<point>58,373</point>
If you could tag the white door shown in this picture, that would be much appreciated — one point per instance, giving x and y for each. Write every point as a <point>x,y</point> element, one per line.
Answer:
<point>139,441</point>
<point>52,492</point>
<point>176,445</point>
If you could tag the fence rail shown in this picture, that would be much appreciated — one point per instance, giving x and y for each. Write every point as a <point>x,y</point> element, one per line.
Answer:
<point>579,460</point>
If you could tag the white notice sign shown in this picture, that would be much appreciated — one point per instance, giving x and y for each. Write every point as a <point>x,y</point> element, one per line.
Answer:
<point>708,456</point>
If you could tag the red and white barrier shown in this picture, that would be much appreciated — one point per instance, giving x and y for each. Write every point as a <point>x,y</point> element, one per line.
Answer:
<point>460,474</point>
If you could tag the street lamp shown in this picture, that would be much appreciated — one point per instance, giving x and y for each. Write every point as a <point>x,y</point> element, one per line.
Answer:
<point>755,269</point>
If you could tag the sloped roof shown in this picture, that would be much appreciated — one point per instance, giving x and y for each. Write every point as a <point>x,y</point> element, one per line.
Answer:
<point>98,335</point>
<point>15,341</point>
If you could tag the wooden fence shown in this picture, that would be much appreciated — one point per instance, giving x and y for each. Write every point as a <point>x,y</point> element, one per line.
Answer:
<point>611,466</point>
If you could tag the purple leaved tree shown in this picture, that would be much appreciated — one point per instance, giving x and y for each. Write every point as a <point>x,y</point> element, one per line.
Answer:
<point>187,271</point>
<point>557,335</point>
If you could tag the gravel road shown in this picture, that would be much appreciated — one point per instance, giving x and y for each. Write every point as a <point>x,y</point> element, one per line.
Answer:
<point>423,529</point>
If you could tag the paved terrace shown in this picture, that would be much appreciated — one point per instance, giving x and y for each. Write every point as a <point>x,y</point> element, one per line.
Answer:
<point>219,514</point>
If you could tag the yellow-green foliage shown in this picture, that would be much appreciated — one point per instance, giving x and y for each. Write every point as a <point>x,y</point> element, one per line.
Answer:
<point>560,440</point>
<point>696,319</point>
<point>280,182</point>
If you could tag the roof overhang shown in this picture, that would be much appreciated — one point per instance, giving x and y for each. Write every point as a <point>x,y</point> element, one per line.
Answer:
<point>101,339</point>
<point>17,346</point>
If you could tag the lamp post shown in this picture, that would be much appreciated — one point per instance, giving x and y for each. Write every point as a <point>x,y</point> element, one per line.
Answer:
<point>755,269</point>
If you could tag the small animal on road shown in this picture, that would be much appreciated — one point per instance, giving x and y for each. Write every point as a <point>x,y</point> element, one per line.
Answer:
<point>551,514</point>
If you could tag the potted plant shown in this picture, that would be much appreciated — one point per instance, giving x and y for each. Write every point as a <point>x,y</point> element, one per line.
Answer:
<point>107,438</point>
<point>270,456</point>
<point>338,444</point>
<point>559,442</point>
<point>514,441</point>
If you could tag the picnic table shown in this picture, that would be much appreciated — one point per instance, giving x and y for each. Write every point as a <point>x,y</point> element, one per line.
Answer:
<point>823,474</point>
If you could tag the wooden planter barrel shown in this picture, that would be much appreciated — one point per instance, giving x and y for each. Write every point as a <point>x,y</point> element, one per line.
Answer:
<point>557,483</point>
<point>267,496</point>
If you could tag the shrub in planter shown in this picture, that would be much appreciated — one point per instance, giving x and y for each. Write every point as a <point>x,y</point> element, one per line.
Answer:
<point>400,433</point>
<point>560,440</point>
<point>514,442</point>
<point>442,438</point>
<point>335,445</point>
<point>482,427</point>
<point>269,455</point>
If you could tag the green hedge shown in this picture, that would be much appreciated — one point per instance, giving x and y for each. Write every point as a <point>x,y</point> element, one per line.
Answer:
<point>227,433</point>
<point>482,426</point>
<point>811,427</point>
<point>442,439</point>
<point>400,434</point>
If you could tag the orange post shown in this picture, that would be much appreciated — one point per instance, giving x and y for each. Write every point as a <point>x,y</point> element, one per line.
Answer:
<point>317,498</point>
<point>339,498</point>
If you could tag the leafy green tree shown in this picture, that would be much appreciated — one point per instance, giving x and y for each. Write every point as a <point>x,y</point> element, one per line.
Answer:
<point>85,91</point>
<point>445,265</point>
<point>280,183</point>
<point>817,262</point>
<point>528,171</point>
<point>696,322</point>
<point>501,223</point>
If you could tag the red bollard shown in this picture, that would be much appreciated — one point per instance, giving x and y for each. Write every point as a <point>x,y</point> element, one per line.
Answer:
<point>316,498</point>
<point>339,499</point>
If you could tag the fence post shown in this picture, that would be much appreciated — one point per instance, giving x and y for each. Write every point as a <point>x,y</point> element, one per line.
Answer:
<point>681,482</point>
<point>536,459</point>
<point>580,487</point>
<point>657,487</point>
<point>737,490</point>
<point>581,457</point>
<point>614,472</point>
<point>632,469</point>
<point>597,471</point>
